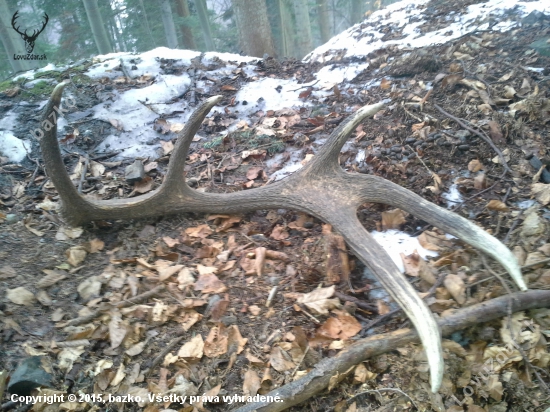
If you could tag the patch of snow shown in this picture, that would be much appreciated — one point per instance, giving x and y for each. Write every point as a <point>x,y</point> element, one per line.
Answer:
<point>12,147</point>
<point>526,204</point>
<point>292,164</point>
<point>8,120</point>
<point>268,94</point>
<point>331,75</point>
<point>395,242</point>
<point>407,17</point>
<point>136,119</point>
<point>453,196</point>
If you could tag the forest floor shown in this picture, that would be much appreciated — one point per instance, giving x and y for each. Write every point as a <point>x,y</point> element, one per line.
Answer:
<point>212,275</point>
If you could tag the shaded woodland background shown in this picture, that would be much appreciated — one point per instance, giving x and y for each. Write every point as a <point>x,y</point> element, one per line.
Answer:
<point>78,29</point>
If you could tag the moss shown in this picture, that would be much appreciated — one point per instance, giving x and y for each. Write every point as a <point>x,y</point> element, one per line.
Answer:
<point>41,88</point>
<point>7,84</point>
<point>48,74</point>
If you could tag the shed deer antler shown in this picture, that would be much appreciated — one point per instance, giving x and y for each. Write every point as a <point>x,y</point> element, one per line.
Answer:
<point>321,188</point>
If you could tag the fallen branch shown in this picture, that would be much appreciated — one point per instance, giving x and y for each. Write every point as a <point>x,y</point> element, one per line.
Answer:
<point>318,379</point>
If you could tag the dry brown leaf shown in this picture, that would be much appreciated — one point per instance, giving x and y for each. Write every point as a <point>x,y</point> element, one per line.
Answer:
<point>251,383</point>
<point>188,318</point>
<point>411,263</point>
<point>362,374</point>
<point>167,147</point>
<point>89,288</point>
<point>319,300</point>
<point>7,272</point>
<point>202,231</point>
<point>117,330</point>
<point>209,283</point>
<point>432,241</point>
<point>496,133</point>
<point>235,339</point>
<point>455,285</point>
<point>193,349</point>
<point>475,166</point>
<point>51,278</point>
<point>525,87</point>
<point>254,172</point>
<point>509,92</point>
<point>280,360</point>
<point>495,204</point>
<point>75,255</point>
<point>67,232</point>
<point>94,245</point>
<point>279,233</point>
<point>254,310</point>
<point>541,192</point>
<point>480,181</point>
<point>545,249</point>
<point>255,361</point>
<point>217,341</point>
<point>393,219</point>
<point>20,296</point>
<point>136,349</point>
<point>343,327</point>
<point>165,273</point>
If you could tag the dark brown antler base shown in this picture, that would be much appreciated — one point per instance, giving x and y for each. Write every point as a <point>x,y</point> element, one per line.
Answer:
<point>321,189</point>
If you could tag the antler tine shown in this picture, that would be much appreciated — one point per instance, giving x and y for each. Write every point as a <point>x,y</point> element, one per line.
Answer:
<point>363,245</point>
<point>378,190</point>
<point>174,175</point>
<point>326,160</point>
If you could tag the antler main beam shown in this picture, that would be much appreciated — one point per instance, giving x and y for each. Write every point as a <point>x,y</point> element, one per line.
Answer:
<point>321,189</point>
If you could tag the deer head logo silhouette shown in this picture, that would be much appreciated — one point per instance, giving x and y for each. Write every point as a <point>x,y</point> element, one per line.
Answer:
<point>29,39</point>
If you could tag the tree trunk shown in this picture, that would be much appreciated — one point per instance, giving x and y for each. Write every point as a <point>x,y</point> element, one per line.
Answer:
<point>254,29</point>
<point>356,13</point>
<point>287,32</point>
<point>98,28</point>
<point>168,23</point>
<point>202,12</point>
<point>146,23</point>
<point>302,27</point>
<point>182,8</point>
<point>324,25</point>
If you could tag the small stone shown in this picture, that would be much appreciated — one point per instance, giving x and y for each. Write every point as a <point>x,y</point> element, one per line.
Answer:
<point>396,148</point>
<point>229,320</point>
<point>463,134</point>
<point>135,172</point>
<point>410,140</point>
<point>464,147</point>
<point>11,218</point>
<point>29,375</point>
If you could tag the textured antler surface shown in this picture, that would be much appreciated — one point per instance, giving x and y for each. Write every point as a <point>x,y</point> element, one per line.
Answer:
<point>321,188</point>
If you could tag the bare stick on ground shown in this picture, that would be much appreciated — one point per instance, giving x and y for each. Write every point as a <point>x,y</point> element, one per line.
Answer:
<point>319,378</point>
<point>321,189</point>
